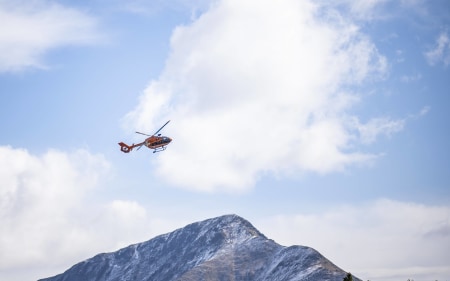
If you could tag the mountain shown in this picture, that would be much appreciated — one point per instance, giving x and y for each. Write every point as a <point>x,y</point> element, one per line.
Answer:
<point>219,249</point>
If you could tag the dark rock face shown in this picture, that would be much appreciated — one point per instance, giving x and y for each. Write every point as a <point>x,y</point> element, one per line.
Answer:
<point>225,248</point>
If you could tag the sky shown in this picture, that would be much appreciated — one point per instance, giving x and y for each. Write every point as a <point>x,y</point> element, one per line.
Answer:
<point>323,123</point>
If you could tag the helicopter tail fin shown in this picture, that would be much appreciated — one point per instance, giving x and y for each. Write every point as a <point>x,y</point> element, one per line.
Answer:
<point>124,147</point>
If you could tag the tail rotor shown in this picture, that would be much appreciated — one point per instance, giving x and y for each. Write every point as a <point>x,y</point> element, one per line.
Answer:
<point>124,147</point>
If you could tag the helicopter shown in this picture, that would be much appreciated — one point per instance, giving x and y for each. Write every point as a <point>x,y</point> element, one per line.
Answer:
<point>156,142</point>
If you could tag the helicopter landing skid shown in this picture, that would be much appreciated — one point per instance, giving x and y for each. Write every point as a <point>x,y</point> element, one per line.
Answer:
<point>159,149</point>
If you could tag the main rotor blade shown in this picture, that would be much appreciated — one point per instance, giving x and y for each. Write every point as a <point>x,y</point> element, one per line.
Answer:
<point>155,132</point>
<point>143,134</point>
<point>161,128</point>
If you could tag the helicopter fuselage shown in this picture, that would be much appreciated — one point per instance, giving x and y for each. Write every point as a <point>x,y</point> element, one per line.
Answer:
<point>155,142</point>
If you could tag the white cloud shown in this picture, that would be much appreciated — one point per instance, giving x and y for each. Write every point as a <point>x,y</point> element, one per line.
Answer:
<point>37,195</point>
<point>122,222</point>
<point>50,218</point>
<point>440,52</point>
<point>383,240</point>
<point>411,78</point>
<point>40,208</point>
<point>384,126</point>
<point>365,9</point>
<point>29,29</point>
<point>377,126</point>
<point>248,95</point>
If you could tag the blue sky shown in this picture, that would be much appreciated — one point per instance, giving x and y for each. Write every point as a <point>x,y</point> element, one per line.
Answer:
<point>323,123</point>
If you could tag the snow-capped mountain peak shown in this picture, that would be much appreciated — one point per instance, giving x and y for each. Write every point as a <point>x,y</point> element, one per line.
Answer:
<point>219,249</point>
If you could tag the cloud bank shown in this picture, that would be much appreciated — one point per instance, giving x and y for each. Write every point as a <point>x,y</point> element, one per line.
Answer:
<point>45,221</point>
<point>37,198</point>
<point>382,240</point>
<point>257,87</point>
<point>50,218</point>
<point>29,29</point>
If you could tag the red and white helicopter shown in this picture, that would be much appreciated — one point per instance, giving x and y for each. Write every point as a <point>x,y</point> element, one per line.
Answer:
<point>156,142</point>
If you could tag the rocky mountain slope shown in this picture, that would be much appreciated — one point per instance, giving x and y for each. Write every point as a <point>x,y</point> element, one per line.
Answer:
<point>220,249</point>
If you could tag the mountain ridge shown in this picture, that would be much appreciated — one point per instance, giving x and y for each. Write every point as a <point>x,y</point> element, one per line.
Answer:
<point>217,249</point>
